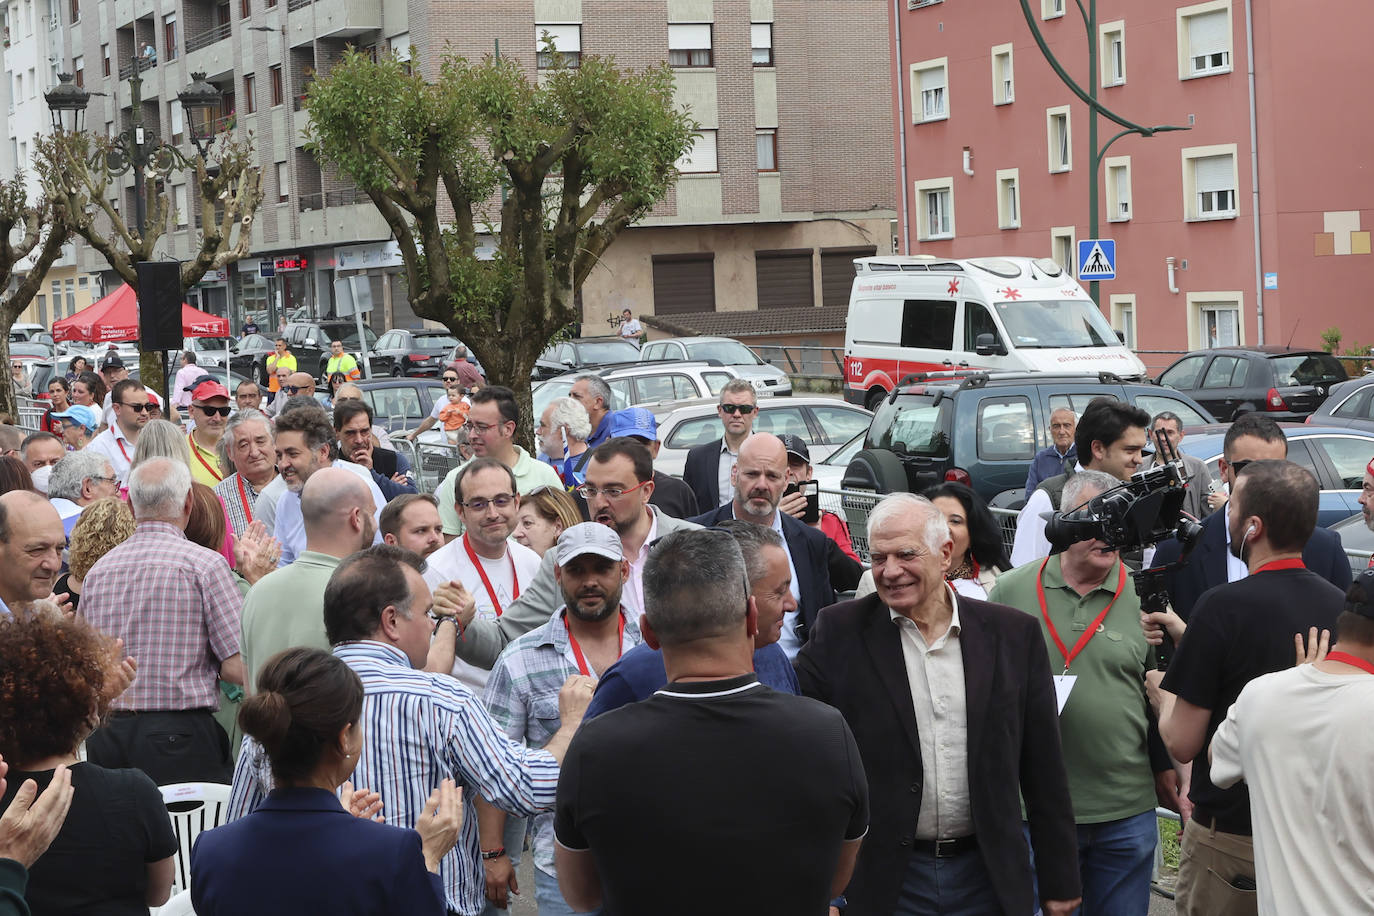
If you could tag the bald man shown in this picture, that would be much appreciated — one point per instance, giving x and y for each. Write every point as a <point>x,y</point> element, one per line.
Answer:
<point>286,608</point>
<point>759,479</point>
<point>31,542</point>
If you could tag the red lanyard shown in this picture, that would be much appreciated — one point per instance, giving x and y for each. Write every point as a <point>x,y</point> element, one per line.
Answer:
<point>1336,656</point>
<point>1275,565</point>
<point>195,450</point>
<point>1092,629</point>
<point>619,645</point>
<point>243,499</point>
<point>491,592</point>
<point>121,449</point>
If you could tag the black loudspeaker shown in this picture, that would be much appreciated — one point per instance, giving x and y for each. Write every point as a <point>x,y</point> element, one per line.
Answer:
<point>159,305</point>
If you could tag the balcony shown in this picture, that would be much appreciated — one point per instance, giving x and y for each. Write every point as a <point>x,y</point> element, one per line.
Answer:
<point>345,197</point>
<point>297,4</point>
<point>143,63</point>
<point>307,202</point>
<point>207,38</point>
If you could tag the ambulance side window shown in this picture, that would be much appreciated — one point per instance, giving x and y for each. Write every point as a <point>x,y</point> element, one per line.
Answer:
<point>928,324</point>
<point>978,320</point>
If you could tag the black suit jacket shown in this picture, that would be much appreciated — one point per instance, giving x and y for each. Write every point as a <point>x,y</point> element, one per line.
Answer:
<point>701,472</point>
<point>854,662</point>
<point>1206,566</point>
<point>810,558</point>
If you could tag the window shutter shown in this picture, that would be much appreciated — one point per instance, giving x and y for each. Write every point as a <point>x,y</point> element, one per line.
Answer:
<point>761,35</point>
<point>933,78</point>
<point>689,36</point>
<point>565,37</point>
<point>1208,33</point>
<point>1213,173</point>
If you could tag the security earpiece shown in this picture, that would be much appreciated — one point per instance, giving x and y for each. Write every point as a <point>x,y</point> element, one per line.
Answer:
<point>1248,531</point>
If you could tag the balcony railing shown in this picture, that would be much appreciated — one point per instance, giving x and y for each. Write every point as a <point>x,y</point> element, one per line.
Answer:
<point>144,63</point>
<point>309,202</point>
<point>297,4</point>
<point>344,197</point>
<point>207,38</point>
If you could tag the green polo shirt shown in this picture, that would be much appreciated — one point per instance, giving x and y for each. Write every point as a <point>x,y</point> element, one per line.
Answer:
<point>285,610</point>
<point>1102,727</point>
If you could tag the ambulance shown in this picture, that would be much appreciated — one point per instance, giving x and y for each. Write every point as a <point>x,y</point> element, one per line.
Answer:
<point>912,314</point>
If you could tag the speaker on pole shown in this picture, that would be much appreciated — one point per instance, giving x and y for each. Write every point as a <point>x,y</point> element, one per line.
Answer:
<point>159,305</point>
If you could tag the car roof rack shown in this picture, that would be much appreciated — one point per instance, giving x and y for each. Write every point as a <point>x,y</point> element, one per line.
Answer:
<point>973,378</point>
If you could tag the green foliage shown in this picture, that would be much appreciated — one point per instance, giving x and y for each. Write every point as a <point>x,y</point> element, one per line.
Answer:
<point>1331,339</point>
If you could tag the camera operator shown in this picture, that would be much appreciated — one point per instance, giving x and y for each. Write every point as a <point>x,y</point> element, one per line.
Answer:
<point>1088,613</point>
<point>1237,632</point>
<point>804,504</point>
<point>1110,438</point>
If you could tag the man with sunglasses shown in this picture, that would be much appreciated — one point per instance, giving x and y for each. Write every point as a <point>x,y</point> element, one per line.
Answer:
<point>129,402</point>
<point>209,410</point>
<point>709,465</point>
<point>452,410</point>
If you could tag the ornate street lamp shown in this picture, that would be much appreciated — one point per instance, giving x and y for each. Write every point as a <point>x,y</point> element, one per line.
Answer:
<point>67,102</point>
<point>200,100</point>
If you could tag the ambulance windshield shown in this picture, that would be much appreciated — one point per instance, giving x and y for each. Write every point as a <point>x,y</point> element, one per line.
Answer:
<point>1055,324</point>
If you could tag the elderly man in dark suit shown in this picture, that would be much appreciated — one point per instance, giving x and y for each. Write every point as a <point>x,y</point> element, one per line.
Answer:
<point>709,465</point>
<point>758,481</point>
<point>952,704</point>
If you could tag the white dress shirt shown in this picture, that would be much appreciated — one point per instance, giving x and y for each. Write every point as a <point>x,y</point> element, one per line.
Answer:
<point>727,464</point>
<point>1031,543</point>
<point>1235,568</point>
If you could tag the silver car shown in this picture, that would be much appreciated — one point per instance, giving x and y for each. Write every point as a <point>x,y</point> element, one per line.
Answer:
<point>768,379</point>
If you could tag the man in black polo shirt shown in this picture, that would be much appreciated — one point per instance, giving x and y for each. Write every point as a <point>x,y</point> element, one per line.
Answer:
<point>692,801</point>
<point>1237,632</point>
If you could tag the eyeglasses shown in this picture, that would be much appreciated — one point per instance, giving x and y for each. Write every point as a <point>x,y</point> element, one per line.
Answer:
<point>211,411</point>
<point>294,389</point>
<point>138,408</point>
<point>587,491</point>
<point>482,428</point>
<point>738,408</point>
<point>503,501</point>
<point>1238,466</point>
<point>114,480</point>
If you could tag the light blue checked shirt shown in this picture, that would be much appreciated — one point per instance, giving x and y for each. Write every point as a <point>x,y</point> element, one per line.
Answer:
<point>418,729</point>
<point>522,695</point>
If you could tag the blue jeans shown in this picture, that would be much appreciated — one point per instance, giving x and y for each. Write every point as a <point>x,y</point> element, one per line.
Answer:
<point>550,898</point>
<point>955,886</point>
<point>1115,860</point>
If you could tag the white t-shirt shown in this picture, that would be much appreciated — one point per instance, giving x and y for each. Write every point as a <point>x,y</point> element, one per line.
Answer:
<point>451,563</point>
<point>1301,740</point>
<point>631,328</point>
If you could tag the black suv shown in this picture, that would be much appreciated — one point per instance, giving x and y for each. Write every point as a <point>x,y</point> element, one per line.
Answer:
<point>1284,383</point>
<point>309,342</point>
<point>984,429</point>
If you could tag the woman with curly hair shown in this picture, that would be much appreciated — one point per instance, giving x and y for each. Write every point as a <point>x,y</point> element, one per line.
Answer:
<point>114,854</point>
<point>104,524</point>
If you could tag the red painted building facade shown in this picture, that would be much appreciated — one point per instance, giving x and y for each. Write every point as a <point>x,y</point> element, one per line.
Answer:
<point>992,157</point>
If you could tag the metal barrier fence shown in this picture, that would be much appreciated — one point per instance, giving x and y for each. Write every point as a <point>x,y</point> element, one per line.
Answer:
<point>854,506</point>
<point>430,461</point>
<point>30,414</point>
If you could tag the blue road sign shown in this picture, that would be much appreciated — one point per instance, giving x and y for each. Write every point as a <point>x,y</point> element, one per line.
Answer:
<point>1097,259</point>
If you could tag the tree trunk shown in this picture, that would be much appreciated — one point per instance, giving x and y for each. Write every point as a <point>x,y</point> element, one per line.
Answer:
<point>511,366</point>
<point>8,396</point>
<point>152,374</point>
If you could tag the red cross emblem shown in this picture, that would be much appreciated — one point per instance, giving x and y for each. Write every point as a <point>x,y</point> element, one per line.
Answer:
<point>953,287</point>
<point>1009,293</point>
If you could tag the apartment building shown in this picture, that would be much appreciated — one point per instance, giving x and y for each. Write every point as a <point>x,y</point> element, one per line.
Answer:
<point>1251,226</point>
<point>789,180</point>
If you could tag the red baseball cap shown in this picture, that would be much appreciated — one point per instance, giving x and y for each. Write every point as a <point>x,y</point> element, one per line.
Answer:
<point>209,389</point>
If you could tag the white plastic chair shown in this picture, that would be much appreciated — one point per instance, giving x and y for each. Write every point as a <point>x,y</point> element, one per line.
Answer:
<point>180,905</point>
<point>193,807</point>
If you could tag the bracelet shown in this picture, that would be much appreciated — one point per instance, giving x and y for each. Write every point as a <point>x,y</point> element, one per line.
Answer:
<point>496,853</point>
<point>443,620</point>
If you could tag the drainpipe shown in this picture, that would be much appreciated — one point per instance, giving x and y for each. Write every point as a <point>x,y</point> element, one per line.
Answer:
<point>968,162</point>
<point>1169,265</point>
<point>1254,171</point>
<point>901,125</point>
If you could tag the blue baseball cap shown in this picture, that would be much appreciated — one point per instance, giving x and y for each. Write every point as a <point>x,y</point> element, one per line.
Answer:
<point>81,415</point>
<point>635,421</point>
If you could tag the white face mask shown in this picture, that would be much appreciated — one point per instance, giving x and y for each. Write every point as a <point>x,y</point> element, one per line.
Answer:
<point>40,478</point>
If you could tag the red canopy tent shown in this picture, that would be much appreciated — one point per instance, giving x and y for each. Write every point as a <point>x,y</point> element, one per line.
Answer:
<point>116,318</point>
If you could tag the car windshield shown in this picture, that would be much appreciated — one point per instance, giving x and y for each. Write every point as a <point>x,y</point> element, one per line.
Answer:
<point>727,352</point>
<point>1056,323</point>
<point>349,336</point>
<point>1307,369</point>
<point>208,343</point>
<point>600,352</point>
<point>253,342</point>
<point>436,341</point>
<point>914,426</point>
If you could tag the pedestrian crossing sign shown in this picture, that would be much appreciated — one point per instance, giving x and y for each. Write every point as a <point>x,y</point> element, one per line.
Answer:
<point>1097,259</point>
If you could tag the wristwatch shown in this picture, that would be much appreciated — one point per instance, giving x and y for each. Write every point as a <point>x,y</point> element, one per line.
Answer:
<point>446,618</point>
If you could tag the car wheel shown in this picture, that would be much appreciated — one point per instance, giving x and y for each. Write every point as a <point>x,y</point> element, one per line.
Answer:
<point>874,397</point>
<point>260,375</point>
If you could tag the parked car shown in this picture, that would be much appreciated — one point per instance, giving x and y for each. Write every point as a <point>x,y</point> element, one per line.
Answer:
<point>829,471</point>
<point>309,342</point>
<point>645,384</point>
<point>984,429</point>
<point>1335,455</point>
<point>727,352</point>
<point>1286,383</point>
<point>31,349</point>
<point>583,353</point>
<point>249,356</point>
<point>824,423</point>
<point>402,351</point>
<point>1349,403</point>
<point>400,403</point>
<point>20,331</point>
<point>209,350</point>
<point>1357,540</point>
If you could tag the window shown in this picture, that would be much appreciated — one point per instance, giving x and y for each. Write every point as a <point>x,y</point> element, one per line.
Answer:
<point>250,93</point>
<point>701,158</point>
<point>1183,375</point>
<point>1214,319</point>
<point>104,60</point>
<point>766,142</point>
<point>1209,182</point>
<point>174,116</point>
<point>935,209</point>
<point>283,182</point>
<point>1005,429</point>
<point>1008,198</point>
<point>278,94</point>
<point>169,36</point>
<point>567,41</point>
<point>1051,9</point>
<point>1204,39</point>
<point>1123,317</point>
<point>400,46</point>
<point>928,323</point>
<point>929,88</point>
<point>1156,404</point>
<point>977,322</point>
<point>78,72</point>
<point>689,44</point>
<point>1062,249</point>
<point>76,11</point>
<point>245,8</point>
<point>1112,53</point>
<point>1003,80</point>
<point>1225,372</point>
<point>1118,188</point>
<point>1357,407</point>
<point>1348,456</point>
<point>1060,139</point>
<point>270,4</point>
<point>179,205</point>
<point>761,42</point>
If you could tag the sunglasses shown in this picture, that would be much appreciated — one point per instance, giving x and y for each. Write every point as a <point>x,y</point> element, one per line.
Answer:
<point>211,411</point>
<point>293,389</point>
<point>738,408</point>
<point>139,408</point>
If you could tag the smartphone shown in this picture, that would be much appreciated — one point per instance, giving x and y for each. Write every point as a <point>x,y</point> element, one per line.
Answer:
<point>811,489</point>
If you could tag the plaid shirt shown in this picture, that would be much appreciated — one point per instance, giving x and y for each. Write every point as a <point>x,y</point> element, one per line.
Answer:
<point>240,513</point>
<point>176,607</point>
<point>522,696</point>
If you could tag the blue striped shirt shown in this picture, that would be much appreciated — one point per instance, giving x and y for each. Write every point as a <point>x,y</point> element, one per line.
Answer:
<point>418,729</point>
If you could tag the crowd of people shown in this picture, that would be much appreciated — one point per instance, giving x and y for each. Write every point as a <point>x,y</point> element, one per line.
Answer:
<point>627,677</point>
